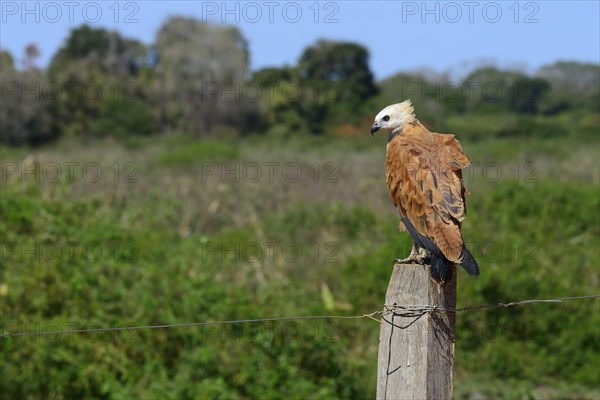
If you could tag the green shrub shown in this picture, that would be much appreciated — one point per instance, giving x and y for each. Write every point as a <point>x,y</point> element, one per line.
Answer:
<point>123,118</point>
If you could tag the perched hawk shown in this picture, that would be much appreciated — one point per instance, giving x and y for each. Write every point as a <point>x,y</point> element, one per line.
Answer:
<point>424,176</point>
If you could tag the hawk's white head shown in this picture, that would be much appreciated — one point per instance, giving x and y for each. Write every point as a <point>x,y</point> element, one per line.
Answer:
<point>394,117</point>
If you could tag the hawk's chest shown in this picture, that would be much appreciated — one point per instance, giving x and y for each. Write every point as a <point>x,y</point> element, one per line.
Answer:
<point>405,156</point>
<point>402,156</point>
<point>396,169</point>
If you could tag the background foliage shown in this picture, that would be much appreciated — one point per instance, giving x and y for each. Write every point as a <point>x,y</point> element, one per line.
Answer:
<point>178,235</point>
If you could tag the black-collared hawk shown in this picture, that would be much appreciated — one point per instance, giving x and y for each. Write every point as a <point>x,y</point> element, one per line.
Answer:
<point>424,177</point>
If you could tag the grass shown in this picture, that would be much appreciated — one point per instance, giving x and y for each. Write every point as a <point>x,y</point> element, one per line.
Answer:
<point>313,233</point>
<point>186,152</point>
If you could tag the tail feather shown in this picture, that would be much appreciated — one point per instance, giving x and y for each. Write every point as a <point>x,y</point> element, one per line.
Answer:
<point>469,263</point>
<point>441,269</point>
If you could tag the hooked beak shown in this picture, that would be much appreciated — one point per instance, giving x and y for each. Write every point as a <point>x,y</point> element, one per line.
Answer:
<point>374,128</point>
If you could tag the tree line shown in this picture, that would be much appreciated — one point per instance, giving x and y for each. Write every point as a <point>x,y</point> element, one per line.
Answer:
<point>195,78</point>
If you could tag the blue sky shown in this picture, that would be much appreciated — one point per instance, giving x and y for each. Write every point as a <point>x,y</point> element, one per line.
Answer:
<point>400,35</point>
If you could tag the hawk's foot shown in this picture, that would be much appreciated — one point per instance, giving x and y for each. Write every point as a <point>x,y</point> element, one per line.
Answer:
<point>415,257</point>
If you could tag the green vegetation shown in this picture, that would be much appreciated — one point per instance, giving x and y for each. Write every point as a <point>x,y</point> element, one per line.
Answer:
<point>178,196</point>
<point>175,242</point>
<point>195,78</point>
<point>186,152</point>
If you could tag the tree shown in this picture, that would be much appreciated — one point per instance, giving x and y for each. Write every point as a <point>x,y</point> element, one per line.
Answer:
<point>94,68</point>
<point>24,111</point>
<point>109,51</point>
<point>32,53</point>
<point>489,89</point>
<point>336,81</point>
<point>344,64</point>
<point>280,100</point>
<point>6,60</point>
<point>527,93</point>
<point>572,85</point>
<point>201,70</point>
<point>268,77</point>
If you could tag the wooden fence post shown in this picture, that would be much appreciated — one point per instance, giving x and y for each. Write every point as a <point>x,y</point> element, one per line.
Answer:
<point>416,354</point>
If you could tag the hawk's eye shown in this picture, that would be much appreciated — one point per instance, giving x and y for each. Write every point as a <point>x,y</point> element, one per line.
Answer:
<point>386,118</point>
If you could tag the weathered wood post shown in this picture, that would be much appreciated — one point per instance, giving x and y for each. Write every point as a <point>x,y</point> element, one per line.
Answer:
<point>416,353</point>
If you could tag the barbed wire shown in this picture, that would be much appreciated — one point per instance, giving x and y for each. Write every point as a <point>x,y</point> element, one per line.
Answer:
<point>408,311</point>
<point>189,324</point>
<point>414,311</point>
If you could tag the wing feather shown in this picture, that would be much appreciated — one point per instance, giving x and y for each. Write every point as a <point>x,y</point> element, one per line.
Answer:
<point>424,175</point>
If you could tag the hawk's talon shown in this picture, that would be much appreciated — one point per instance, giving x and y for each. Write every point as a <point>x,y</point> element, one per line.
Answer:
<point>409,260</point>
<point>415,257</point>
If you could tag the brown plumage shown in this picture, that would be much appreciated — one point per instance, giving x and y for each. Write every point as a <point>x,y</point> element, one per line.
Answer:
<point>424,177</point>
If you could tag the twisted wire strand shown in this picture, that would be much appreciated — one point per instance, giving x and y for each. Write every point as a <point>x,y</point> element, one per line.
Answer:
<point>405,311</point>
